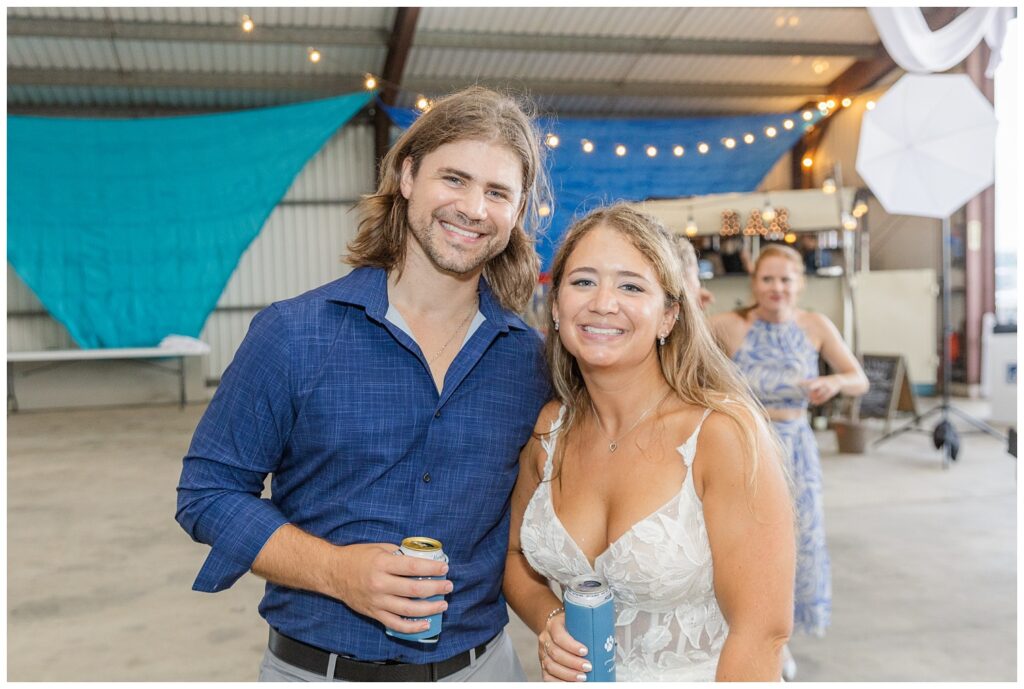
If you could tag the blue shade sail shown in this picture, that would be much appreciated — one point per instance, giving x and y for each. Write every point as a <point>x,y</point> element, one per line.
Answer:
<point>400,117</point>
<point>582,181</point>
<point>128,230</point>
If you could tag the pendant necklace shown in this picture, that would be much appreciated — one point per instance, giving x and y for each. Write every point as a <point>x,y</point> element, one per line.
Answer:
<point>458,329</point>
<point>613,445</point>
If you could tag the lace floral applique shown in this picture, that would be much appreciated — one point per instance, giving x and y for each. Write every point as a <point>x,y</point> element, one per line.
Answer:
<point>668,624</point>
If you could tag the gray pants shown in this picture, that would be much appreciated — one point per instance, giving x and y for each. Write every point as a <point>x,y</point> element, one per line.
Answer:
<point>499,663</point>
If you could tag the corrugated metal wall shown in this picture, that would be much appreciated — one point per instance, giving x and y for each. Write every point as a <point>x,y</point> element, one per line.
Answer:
<point>299,248</point>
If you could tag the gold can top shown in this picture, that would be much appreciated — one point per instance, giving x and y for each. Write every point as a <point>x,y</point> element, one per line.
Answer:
<point>421,544</point>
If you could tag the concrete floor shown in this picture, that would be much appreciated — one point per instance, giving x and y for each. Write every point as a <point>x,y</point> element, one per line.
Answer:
<point>99,574</point>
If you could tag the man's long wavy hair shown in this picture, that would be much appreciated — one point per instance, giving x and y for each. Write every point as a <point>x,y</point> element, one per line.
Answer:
<point>478,114</point>
<point>692,363</point>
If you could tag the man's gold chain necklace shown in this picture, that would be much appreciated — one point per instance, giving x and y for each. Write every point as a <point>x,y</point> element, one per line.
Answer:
<point>458,329</point>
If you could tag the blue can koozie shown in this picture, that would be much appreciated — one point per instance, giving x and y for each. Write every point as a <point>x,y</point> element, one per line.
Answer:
<point>590,619</point>
<point>428,549</point>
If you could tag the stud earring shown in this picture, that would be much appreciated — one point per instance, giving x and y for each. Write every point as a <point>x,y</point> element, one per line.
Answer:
<point>556,325</point>
<point>661,340</point>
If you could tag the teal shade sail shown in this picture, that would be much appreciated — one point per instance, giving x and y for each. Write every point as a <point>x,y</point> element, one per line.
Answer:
<point>128,230</point>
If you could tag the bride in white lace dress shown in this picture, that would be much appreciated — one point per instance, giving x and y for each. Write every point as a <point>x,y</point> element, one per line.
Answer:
<point>655,469</point>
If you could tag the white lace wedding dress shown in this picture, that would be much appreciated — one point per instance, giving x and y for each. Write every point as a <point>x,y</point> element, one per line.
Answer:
<point>668,624</point>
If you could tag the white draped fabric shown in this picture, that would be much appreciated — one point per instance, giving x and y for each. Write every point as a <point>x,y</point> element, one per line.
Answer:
<point>918,49</point>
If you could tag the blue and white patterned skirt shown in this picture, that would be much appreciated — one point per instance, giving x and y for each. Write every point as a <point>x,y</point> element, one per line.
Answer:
<point>813,596</point>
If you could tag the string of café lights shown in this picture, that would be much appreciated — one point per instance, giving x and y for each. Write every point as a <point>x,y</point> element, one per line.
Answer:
<point>768,214</point>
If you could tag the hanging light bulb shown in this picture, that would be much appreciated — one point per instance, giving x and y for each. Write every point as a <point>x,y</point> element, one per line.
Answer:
<point>552,140</point>
<point>807,161</point>
<point>828,186</point>
<point>787,124</point>
<point>807,115</point>
<point>870,105</point>
<point>587,145</point>
<point>247,23</point>
<point>620,150</point>
<point>768,214</point>
<point>678,151</point>
<point>729,142</point>
<point>703,148</point>
<point>313,55</point>
<point>652,151</point>
<point>848,221</point>
<point>691,226</point>
<point>831,103</point>
<point>748,138</point>
<point>370,82</point>
<point>847,102</point>
<point>544,210</point>
<point>860,207</point>
<point>422,103</point>
<point>770,132</point>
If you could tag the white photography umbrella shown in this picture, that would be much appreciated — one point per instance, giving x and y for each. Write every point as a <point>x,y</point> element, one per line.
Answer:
<point>928,147</point>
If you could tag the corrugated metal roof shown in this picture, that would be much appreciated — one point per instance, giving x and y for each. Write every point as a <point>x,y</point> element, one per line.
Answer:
<point>440,62</point>
<point>222,55</point>
<point>582,21</point>
<point>60,53</point>
<point>831,25</point>
<point>842,25</point>
<point>246,58</point>
<point>157,56</point>
<point>120,97</point>
<point>344,17</point>
<point>738,70</point>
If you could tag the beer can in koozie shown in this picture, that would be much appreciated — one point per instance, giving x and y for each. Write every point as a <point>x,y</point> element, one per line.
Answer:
<point>590,619</point>
<point>428,549</point>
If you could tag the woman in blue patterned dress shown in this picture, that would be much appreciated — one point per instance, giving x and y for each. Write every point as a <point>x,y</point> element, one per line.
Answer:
<point>776,345</point>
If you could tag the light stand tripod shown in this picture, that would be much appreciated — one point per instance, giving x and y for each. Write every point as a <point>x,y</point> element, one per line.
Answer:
<point>948,435</point>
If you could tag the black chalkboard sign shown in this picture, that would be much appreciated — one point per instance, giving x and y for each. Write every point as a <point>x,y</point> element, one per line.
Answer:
<point>890,390</point>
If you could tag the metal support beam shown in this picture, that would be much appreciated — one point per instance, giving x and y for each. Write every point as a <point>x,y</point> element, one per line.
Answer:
<point>394,67</point>
<point>864,74</point>
<point>803,178</point>
<point>979,257</point>
<point>638,45</point>
<point>318,84</point>
<point>624,88</point>
<point>859,76</point>
<point>465,40</point>
<point>330,84</point>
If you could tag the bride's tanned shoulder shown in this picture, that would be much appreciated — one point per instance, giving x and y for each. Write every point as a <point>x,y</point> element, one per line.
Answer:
<point>547,416</point>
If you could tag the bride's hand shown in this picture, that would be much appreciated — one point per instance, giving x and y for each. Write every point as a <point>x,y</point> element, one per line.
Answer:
<point>561,656</point>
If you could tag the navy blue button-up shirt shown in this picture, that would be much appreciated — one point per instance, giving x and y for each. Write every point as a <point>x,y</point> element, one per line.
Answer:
<point>339,405</point>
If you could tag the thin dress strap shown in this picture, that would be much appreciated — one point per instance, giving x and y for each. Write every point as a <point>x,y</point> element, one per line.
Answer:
<point>689,448</point>
<point>549,442</point>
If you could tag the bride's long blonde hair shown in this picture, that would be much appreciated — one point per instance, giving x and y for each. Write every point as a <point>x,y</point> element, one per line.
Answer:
<point>691,362</point>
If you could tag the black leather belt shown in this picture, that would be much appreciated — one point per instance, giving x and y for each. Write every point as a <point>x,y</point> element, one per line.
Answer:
<point>315,660</point>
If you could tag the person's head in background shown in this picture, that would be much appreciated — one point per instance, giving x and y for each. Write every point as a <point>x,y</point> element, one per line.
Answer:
<point>691,272</point>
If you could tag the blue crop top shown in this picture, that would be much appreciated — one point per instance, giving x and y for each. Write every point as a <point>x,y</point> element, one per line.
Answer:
<point>775,357</point>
